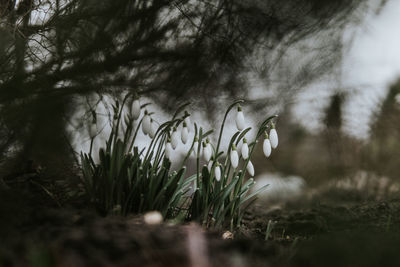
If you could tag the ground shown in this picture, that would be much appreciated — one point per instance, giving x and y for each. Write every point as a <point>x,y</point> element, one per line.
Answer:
<point>35,230</point>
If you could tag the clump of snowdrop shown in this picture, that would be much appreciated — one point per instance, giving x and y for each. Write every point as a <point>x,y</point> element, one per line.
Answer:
<point>273,137</point>
<point>239,119</point>
<point>218,191</point>
<point>144,179</point>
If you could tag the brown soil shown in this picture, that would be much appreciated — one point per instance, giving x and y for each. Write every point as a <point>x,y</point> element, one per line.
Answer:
<point>36,231</point>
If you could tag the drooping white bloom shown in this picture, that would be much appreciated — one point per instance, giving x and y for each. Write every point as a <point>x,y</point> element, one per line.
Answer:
<point>184,133</point>
<point>273,137</point>
<point>234,157</point>
<point>168,150</point>
<point>187,121</point>
<point>146,123</point>
<point>245,149</point>
<point>217,172</point>
<point>195,146</point>
<point>174,138</point>
<point>153,129</point>
<point>267,146</point>
<point>207,151</point>
<point>209,148</point>
<point>239,119</point>
<point>136,109</point>
<point>209,165</point>
<point>250,168</point>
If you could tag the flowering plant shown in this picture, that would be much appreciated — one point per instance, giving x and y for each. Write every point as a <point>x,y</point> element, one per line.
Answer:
<point>127,179</point>
<point>221,194</point>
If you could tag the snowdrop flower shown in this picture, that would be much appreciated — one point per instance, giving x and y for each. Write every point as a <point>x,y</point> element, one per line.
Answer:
<point>273,137</point>
<point>250,168</point>
<point>217,172</point>
<point>195,145</point>
<point>187,121</point>
<point>168,149</point>
<point>153,129</point>
<point>146,123</point>
<point>245,149</point>
<point>184,133</point>
<point>239,119</point>
<point>207,151</point>
<point>267,146</point>
<point>174,138</point>
<point>136,109</point>
<point>234,157</point>
<point>209,166</point>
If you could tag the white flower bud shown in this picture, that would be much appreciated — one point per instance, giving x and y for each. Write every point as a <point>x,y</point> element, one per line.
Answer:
<point>209,165</point>
<point>234,157</point>
<point>207,151</point>
<point>273,137</point>
<point>217,172</point>
<point>136,109</point>
<point>153,129</point>
<point>239,119</point>
<point>267,146</point>
<point>174,138</point>
<point>184,133</point>
<point>250,168</point>
<point>187,121</point>
<point>146,123</point>
<point>195,146</point>
<point>245,149</point>
<point>168,150</point>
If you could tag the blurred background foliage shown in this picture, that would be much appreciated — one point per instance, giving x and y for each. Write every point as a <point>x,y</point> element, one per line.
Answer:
<point>56,55</point>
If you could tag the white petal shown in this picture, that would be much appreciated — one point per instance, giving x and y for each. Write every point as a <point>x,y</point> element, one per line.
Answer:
<point>267,147</point>
<point>184,135</point>
<point>188,123</point>
<point>245,151</point>
<point>250,168</point>
<point>136,109</point>
<point>146,124</point>
<point>174,139</point>
<point>240,120</point>
<point>195,147</point>
<point>273,137</point>
<point>153,130</point>
<point>217,173</point>
<point>209,166</point>
<point>168,150</point>
<point>207,153</point>
<point>234,159</point>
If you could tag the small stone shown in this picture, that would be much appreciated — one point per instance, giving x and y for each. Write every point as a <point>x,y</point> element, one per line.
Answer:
<point>227,235</point>
<point>153,217</point>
